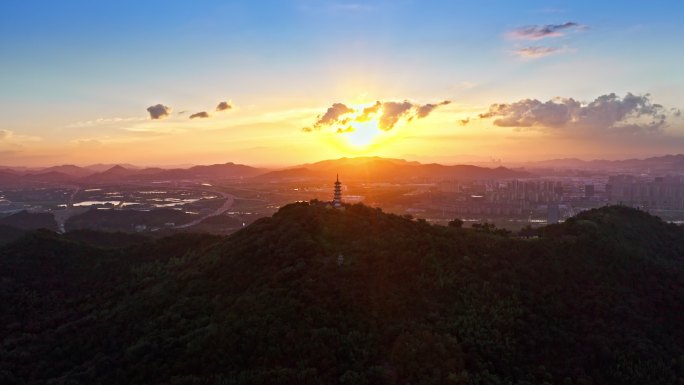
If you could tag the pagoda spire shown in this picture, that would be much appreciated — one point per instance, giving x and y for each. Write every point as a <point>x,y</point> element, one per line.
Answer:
<point>337,197</point>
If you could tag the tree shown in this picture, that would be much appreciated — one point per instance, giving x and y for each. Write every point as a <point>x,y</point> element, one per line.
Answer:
<point>457,223</point>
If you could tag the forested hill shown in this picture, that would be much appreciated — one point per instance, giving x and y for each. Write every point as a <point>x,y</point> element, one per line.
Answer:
<point>321,296</point>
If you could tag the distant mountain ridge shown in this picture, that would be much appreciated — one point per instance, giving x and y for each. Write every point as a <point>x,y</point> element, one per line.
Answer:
<point>364,169</point>
<point>216,171</point>
<point>378,169</point>
<point>665,162</point>
<point>70,174</point>
<point>351,169</point>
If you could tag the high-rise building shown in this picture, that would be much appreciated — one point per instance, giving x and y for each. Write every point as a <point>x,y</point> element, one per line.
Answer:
<point>660,193</point>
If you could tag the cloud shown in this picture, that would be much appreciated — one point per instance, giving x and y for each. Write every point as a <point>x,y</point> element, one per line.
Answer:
<point>608,113</point>
<point>158,111</point>
<point>332,115</point>
<point>222,106</point>
<point>536,52</point>
<point>369,112</point>
<point>340,118</point>
<point>426,109</point>
<point>464,122</point>
<point>202,115</point>
<point>392,112</point>
<point>537,32</point>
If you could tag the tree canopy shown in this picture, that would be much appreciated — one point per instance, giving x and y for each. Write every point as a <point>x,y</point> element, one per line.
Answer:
<point>598,299</point>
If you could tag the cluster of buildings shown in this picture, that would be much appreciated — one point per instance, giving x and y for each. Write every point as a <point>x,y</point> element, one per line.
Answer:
<point>516,198</point>
<point>660,193</point>
<point>547,200</point>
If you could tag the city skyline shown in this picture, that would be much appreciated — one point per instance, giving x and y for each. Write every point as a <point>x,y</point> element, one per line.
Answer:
<point>285,83</point>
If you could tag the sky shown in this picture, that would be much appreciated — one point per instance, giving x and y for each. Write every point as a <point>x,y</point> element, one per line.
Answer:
<point>278,83</point>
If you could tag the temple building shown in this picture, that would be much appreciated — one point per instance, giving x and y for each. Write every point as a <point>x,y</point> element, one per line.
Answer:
<point>337,198</point>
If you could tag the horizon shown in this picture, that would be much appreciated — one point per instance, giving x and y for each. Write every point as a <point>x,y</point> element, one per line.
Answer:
<point>492,163</point>
<point>277,84</point>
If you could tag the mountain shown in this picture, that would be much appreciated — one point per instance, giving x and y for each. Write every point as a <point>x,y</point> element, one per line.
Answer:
<point>99,167</point>
<point>659,163</point>
<point>69,169</point>
<point>215,171</point>
<point>49,177</point>
<point>317,295</point>
<point>298,174</point>
<point>211,172</point>
<point>25,177</point>
<point>13,179</point>
<point>113,174</point>
<point>9,178</point>
<point>369,169</point>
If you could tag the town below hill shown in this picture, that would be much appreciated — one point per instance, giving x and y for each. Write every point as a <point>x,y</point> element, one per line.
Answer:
<point>224,198</point>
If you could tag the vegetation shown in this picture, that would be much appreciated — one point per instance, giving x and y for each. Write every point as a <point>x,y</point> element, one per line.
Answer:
<point>30,221</point>
<point>9,234</point>
<point>316,295</point>
<point>128,220</point>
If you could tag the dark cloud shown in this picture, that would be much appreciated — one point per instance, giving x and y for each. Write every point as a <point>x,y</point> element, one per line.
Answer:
<point>464,122</point>
<point>332,115</point>
<point>607,113</point>
<point>307,129</point>
<point>535,52</point>
<point>537,32</point>
<point>158,111</point>
<point>201,115</point>
<point>426,109</point>
<point>222,106</point>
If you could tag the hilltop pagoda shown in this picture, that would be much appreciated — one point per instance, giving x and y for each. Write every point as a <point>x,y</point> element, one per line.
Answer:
<point>337,197</point>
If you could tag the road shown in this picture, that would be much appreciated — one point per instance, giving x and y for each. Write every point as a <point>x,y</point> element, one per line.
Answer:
<point>230,199</point>
<point>61,216</point>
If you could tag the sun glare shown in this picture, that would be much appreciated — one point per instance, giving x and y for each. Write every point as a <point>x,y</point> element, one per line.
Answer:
<point>362,134</point>
<point>361,128</point>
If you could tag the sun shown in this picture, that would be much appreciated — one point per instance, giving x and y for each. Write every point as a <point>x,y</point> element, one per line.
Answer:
<point>362,134</point>
<point>362,129</point>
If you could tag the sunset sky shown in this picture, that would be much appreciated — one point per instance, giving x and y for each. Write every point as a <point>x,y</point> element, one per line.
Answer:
<point>94,81</point>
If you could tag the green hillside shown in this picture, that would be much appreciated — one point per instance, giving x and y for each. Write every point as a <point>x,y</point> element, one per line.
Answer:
<point>321,296</point>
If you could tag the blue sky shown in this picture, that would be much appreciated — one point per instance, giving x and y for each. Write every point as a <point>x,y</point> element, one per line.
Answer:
<point>67,63</point>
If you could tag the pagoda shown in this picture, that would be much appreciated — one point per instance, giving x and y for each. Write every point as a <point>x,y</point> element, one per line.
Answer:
<point>337,198</point>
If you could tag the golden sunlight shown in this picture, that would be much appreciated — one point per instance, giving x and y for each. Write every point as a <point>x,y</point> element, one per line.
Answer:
<point>362,128</point>
<point>362,134</point>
